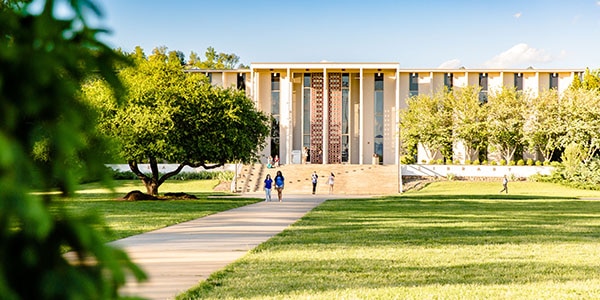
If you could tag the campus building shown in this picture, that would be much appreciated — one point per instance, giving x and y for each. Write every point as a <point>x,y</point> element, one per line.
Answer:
<point>348,112</point>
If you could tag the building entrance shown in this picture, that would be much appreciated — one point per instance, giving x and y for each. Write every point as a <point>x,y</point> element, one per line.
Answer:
<point>329,121</point>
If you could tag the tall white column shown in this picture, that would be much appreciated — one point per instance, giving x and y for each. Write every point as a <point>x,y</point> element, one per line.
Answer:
<point>254,88</point>
<point>361,123</point>
<point>290,124</point>
<point>325,117</point>
<point>396,130</point>
<point>284,117</point>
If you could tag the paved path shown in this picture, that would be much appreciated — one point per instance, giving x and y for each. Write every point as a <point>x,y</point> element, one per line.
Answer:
<point>176,258</point>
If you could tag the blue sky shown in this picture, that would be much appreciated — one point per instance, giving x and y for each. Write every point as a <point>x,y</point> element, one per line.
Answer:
<point>417,34</point>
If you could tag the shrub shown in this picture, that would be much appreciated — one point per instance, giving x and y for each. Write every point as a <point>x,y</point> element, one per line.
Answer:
<point>520,162</point>
<point>205,175</point>
<point>123,175</point>
<point>225,176</point>
<point>202,175</point>
<point>467,162</point>
<point>585,175</point>
<point>440,161</point>
<point>538,163</point>
<point>530,162</point>
<point>476,162</point>
<point>407,159</point>
<point>511,163</point>
<point>485,162</point>
<point>503,162</point>
<point>493,163</point>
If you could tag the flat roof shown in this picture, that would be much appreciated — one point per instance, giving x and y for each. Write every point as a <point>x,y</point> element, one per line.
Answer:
<point>374,66</point>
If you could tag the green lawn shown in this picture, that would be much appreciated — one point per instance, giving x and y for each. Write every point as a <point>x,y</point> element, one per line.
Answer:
<point>126,218</point>
<point>451,240</point>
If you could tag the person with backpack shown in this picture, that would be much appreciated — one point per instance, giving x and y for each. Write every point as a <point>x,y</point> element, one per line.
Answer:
<point>279,183</point>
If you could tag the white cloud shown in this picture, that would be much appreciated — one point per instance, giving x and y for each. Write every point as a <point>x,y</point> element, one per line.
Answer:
<point>451,64</point>
<point>517,15</point>
<point>520,55</point>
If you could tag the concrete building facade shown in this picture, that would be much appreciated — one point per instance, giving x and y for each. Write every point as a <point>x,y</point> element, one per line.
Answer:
<point>348,112</point>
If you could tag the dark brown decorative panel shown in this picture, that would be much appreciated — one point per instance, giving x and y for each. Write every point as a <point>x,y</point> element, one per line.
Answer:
<point>316,119</point>
<point>334,155</point>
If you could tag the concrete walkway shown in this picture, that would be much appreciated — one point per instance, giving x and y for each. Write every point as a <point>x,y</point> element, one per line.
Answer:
<point>176,258</point>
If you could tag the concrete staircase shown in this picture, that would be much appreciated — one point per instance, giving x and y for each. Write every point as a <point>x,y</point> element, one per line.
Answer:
<point>349,179</point>
<point>249,178</point>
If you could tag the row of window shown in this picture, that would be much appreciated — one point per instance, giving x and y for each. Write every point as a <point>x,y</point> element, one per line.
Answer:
<point>413,81</point>
<point>378,106</point>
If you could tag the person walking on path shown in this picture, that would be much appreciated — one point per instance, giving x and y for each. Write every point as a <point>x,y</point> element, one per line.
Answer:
<point>268,185</point>
<point>330,182</point>
<point>279,183</point>
<point>314,179</point>
<point>504,184</point>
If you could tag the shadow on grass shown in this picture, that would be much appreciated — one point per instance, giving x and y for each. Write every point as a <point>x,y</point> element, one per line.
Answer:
<point>414,222</point>
<point>365,274</point>
<point>127,218</point>
<point>456,220</point>
<point>503,197</point>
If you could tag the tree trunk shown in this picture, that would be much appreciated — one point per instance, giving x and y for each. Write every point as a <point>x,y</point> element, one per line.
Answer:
<point>151,187</point>
<point>151,183</point>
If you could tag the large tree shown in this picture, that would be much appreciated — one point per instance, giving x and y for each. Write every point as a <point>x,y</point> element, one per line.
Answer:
<point>427,121</point>
<point>580,120</point>
<point>506,117</point>
<point>47,140</point>
<point>542,129</point>
<point>469,117</point>
<point>214,60</point>
<point>178,117</point>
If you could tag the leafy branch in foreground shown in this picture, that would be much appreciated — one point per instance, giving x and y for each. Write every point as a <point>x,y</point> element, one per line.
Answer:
<point>46,140</point>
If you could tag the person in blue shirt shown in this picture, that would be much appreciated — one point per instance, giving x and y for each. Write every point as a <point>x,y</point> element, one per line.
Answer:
<point>279,183</point>
<point>268,184</point>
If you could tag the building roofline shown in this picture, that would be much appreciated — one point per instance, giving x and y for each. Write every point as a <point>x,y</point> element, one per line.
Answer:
<point>324,65</point>
<point>311,66</point>
<point>495,70</point>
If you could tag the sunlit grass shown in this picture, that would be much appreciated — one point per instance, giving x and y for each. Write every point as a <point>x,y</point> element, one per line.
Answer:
<point>127,218</point>
<point>516,188</point>
<point>451,240</point>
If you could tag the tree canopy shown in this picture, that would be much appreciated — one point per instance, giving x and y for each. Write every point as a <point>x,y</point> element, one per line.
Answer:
<point>427,121</point>
<point>178,117</point>
<point>214,60</point>
<point>506,116</point>
<point>469,116</point>
<point>543,129</point>
<point>511,120</point>
<point>46,141</point>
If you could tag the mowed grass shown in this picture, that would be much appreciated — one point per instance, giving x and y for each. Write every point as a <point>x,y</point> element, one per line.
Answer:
<point>450,240</point>
<point>127,218</point>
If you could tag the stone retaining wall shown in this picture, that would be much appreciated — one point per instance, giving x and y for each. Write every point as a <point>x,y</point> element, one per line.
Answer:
<point>473,171</point>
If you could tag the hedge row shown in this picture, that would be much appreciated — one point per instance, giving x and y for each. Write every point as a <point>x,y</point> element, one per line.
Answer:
<point>202,175</point>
